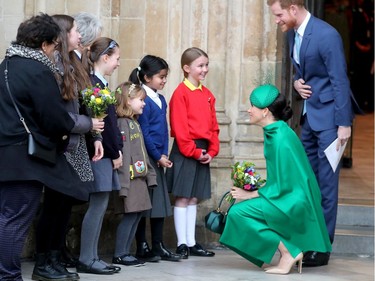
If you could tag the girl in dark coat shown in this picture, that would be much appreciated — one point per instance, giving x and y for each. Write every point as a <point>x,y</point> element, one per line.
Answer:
<point>103,58</point>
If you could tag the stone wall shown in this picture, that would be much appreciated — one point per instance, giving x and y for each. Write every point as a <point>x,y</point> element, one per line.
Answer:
<point>244,47</point>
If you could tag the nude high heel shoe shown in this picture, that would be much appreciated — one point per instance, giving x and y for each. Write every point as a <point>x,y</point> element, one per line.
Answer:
<point>269,267</point>
<point>286,270</point>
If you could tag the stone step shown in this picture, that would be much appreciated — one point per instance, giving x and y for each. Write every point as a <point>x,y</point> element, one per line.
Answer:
<point>359,215</point>
<point>354,230</point>
<point>358,240</point>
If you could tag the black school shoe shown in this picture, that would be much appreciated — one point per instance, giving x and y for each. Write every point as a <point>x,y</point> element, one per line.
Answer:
<point>145,254</point>
<point>95,267</point>
<point>197,250</point>
<point>110,266</point>
<point>128,260</point>
<point>166,255</point>
<point>183,251</point>
<point>67,259</point>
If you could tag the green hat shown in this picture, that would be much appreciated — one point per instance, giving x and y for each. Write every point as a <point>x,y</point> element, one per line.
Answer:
<point>263,95</point>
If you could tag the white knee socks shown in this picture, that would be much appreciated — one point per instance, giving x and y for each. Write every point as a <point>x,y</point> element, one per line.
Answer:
<point>184,221</point>
<point>191,216</point>
<point>179,214</point>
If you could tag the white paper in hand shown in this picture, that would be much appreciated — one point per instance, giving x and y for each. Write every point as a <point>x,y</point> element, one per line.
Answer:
<point>333,155</point>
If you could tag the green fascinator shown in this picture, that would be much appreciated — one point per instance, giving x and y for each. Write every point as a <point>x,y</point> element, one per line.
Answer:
<point>263,95</point>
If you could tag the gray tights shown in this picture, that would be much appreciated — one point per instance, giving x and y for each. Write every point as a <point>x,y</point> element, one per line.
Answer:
<point>91,226</point>
<point>126,232</point>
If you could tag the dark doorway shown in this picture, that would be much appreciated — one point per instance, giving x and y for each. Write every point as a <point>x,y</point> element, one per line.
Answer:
<point>354,20</point>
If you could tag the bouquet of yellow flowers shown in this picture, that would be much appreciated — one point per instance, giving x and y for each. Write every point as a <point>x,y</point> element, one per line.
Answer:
<point>244,176</point>
<point>97,100</point>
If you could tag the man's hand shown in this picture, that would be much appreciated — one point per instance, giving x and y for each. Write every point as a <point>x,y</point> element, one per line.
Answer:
<point>343,135</point>
<point>303,90</point>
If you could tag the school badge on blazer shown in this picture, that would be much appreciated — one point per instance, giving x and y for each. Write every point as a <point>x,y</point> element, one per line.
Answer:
<point>140,167</point>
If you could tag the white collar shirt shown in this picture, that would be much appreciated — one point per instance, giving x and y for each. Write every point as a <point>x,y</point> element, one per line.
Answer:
<point>153,95</point>
<point>301,31</point>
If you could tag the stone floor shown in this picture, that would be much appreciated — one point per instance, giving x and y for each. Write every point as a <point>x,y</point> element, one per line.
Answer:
<point>228,266</point>
<point>356,187</point>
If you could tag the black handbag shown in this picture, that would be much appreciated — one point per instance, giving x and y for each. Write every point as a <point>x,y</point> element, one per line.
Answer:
<point>37,146</point>
<point>40,151</point>
<point>215,220</point>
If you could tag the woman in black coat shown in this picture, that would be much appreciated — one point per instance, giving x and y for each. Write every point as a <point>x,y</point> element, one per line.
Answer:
<point>34,88</point>
<point>54,217</point>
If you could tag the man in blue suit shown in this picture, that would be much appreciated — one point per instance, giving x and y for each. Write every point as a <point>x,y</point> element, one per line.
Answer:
<point>317,53</point>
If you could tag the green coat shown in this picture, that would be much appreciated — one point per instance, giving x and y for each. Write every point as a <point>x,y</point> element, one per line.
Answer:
<point>288,208</point>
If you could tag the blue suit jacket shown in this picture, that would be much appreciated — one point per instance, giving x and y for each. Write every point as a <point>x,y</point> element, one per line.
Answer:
<point>323,67</point>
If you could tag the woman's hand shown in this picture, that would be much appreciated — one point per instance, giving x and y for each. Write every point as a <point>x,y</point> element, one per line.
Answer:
<point>241,194</point>
<point>99,151</point>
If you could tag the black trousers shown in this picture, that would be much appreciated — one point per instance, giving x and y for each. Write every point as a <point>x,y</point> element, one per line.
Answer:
<point>53,221</point>
<point>19,202</point>
<point>156,230</point>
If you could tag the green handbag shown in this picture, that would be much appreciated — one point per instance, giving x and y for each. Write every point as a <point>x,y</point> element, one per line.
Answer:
<point>215,220</point>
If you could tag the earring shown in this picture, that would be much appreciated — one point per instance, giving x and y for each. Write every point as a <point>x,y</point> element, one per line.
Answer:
<point>264,115</point>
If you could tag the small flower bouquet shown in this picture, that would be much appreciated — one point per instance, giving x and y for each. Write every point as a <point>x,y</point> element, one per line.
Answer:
<point>244,176</point>
<point>97,100</point>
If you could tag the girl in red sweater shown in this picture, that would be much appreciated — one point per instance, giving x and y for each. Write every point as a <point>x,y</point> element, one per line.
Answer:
<point>196,142</point>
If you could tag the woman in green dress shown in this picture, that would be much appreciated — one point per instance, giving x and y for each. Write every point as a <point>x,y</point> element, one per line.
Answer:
<point>286,213</point>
